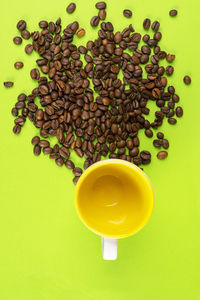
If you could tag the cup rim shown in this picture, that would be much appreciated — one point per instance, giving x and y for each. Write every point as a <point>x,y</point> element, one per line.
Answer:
<point>113,161</point>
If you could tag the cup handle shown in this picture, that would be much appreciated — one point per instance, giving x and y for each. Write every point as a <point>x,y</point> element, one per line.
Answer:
<point>109,248</point>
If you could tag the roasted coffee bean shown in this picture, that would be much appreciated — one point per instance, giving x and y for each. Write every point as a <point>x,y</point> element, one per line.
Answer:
<point>170,57</point>
<point>145,38</point>
<point>172,121</point>
<point>147,23</point>
<point>165,143</point>
<point>29,49</point>
<point>14,111</point>
<point>87,163</point>
<point>37,150</point>
<point>102,14</point>
<point>145,155</point>
<point>21,25</point>
<point>71,8</point>
<point>47,150</point>
<point>187,79</point>
<point>149,132</point>
<point>77,171</point>
<point>17,40</point>
<point>35,74</point>
<point>155,26</point>
<point>127,13</point>
<point>162,154</point>
<point>44,143</point>
<point>94,21</point>
<point>157,143</point>
<point>18,65</point>
<point>35,140</point>
<point>173,12</point>
<point>69,164</point>
<point>75,179</point>
<point>160,135</point>
<point>80,32</point>
<point>169,70</point>
<point>179,111</point>
<point>16,129</point>
<point>100,5</point>
<point>59,161</point>
<point>8,84</point>
<point>25,34</point>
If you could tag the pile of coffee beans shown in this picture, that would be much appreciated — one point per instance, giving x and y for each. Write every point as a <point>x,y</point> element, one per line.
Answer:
<point>86,106</point>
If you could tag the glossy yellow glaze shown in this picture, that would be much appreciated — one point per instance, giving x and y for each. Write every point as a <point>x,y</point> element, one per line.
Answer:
<point>114,198</point>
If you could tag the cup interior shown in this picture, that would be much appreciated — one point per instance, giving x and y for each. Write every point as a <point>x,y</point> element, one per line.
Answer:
<point>114,198</point>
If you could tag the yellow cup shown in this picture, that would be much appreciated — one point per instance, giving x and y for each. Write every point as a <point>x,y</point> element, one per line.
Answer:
<point>114,199</point>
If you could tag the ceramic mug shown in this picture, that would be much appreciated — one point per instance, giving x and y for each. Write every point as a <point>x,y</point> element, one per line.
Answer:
<point>114,199</point>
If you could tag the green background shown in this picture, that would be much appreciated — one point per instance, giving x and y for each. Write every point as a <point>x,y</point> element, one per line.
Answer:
<point>45,252</point>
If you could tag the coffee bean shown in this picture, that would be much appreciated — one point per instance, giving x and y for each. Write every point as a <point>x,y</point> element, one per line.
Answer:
<point>172,121</point>
<point>145,38</point>
<point>44,143</point>
<point>173,12</point>
<point>29,49</point>
<point>170,57</point>
<point>17,40</point>
<point>25,34</point>
<point>47,150</point>
<point>102,14</point>
<point>14,111</point>
<point>75,179</point>
<point>37,150</point>
<point>155,26</point>
<point>16,129</point>
<point>71,8</point>
<point>43,24</point>
<point>145,155</point>
<point>179,111</point>
<point>147,23</point>
<point>160,135</point>
<point>8,84</point>
<point>69,164</point>
<point>127,13</point>
<point>35,140</point>
<point>87,163</point>
<point>169,70</point>
<point>100,5</point>
<point>35,74</point>
<point>165,143</point>
<point>94,21</point>
<point>149,132</point>
<point>187,79</point>
<point>18,65</point>
<point>59,161</point>
<point>21,25</point>
<point>77,171</point>
<point>162,154</point>
<point>80,32</point>
<point>157,143</point>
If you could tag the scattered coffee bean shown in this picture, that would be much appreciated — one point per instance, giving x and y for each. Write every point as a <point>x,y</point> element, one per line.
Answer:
<point>149,132</point>
<point>71,8</point>
<point>165,143</point>
<point>169,70</point>
<point>157,143</point>
<point>25,34</point>
<point>18,65</point>
<point>173,12</point>
<point>21,25</point>
<point>37,150</point>
<point>187,79</point>
<point>102,14</point>
<point>155,26</point>
<point>29,49</point>
<point>16,129</point>
<point>100,5</point>
<point>172,121</point>
<point>147,23</point>
<point>59,162</point>
<point>69,164</point>
<point>160,135</point>
<point>77,171</point>
<point>127,13</point>
<point>14,111</point>
<point>8,84</point>
<point>35,140</point>
<point>94,21</point>
<point>35,74</point>
<point>17,40</point>
<point>170,57</point>
<point>75,179</point>
<point>179,111</point>
<point>80,32</point>
<point>162,154</point>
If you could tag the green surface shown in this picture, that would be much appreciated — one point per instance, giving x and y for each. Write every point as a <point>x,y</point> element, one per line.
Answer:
<point>46,253</point>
